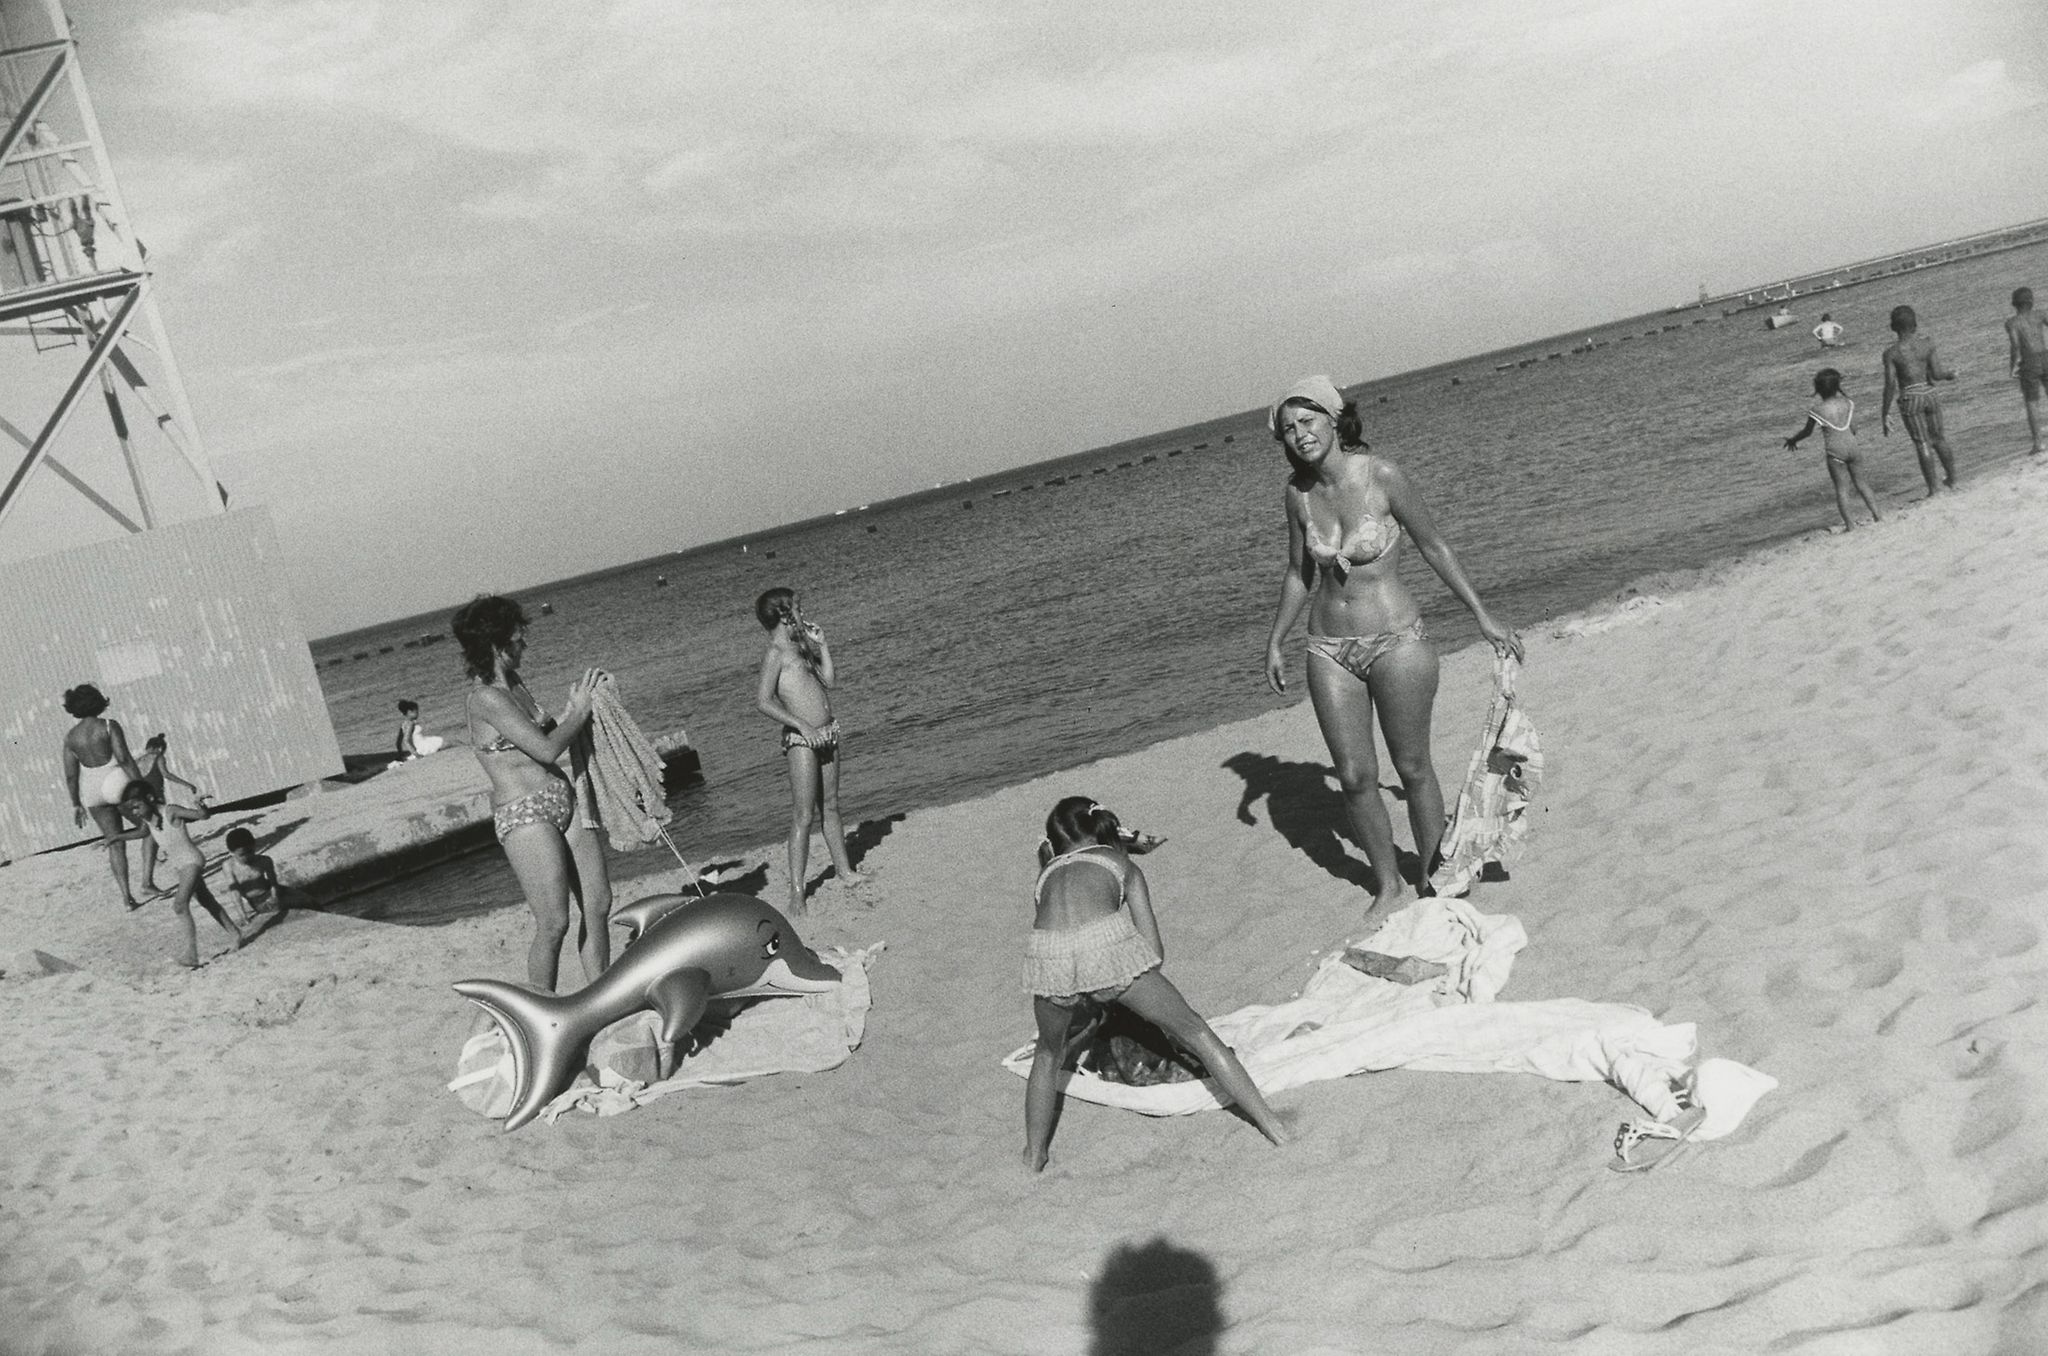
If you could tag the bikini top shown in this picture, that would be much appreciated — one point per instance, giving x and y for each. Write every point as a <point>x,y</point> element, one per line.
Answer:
<point>1365,543</point>
<point>1080,854</point>
<point>1824,422</point>
<point>500,744</point>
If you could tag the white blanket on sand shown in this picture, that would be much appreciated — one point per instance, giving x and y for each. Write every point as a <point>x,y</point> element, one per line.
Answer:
<point>1346,1022</point>
<point>797,1034</point>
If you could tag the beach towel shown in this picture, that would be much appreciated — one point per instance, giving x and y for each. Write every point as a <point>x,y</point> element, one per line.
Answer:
<point>1491,818</point>
<point>805,1034</point>
<point>1345,1022</point>
<point>625,772</point>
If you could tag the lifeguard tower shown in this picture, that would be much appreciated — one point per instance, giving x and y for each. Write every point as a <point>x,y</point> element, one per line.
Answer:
<point>121,561</point>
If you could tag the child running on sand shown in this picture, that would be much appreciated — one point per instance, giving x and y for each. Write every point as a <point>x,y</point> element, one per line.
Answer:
<point>1911,367</point>
<point>1095,939</point>
<point>1834,414</point>
<point>166,825</point>
<point>2027,358</point>
<point>794,692</point>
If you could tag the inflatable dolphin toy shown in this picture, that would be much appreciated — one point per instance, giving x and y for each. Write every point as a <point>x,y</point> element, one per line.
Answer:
<point>684,953</point>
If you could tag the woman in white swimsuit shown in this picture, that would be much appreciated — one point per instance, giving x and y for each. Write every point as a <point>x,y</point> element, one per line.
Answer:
<point>1834,414</point>
<point>1346,512</point>
<point>97,769</point>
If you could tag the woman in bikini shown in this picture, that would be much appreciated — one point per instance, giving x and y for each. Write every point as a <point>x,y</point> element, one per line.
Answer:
<point>1346,509</point>
<point>542,821</point>
<point>1834,414</point>
<point>1095,939</point>
<point>97,768</point>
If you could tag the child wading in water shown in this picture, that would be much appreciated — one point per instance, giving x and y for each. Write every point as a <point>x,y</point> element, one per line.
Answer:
<point>1095,939</point>
<point>1834,414</point>
<point>166,824</point>
<point>796,676</point>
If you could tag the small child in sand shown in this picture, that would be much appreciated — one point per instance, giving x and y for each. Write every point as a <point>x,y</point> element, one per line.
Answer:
<point>1095,940</point>
<point>1911,367</point>
<point>253,877</point>
<point>2027,358</point>
<point>166,825</point>
<point>1834,414</point>
<point>794,692</point>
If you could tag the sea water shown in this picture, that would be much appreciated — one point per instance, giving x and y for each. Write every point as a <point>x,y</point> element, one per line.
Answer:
<point>1061,613</point>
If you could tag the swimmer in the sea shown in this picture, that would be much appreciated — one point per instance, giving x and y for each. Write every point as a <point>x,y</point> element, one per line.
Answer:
<point>797,674</point>
<point>2027,358</point>
<point>1911,367</point>
<point>1094,940</point>
<point>1834,414</point>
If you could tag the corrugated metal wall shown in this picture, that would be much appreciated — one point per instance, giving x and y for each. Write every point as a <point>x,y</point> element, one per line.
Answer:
<point>189,630</point>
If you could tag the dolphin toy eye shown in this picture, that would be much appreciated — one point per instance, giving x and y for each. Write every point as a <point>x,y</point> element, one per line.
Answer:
<point>773,944</point>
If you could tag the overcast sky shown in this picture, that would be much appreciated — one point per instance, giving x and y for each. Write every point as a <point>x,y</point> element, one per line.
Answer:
<point>477,295</point>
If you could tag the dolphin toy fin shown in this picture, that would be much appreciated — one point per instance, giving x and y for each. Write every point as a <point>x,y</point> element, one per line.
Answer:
<point>680,998</point>
<point>545,1048</point>
<point>643,914</point>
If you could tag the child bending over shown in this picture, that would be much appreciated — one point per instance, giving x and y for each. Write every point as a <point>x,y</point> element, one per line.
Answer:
<point>1095,938</point>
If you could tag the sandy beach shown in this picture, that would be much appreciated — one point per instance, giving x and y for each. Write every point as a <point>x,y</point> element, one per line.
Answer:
<point>1799,805</point>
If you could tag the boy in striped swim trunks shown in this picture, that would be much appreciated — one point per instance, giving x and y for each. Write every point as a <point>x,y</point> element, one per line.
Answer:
<point>1911,367</point>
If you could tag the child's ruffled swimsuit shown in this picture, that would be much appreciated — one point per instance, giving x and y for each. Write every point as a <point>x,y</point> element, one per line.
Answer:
<point>1098,959</point>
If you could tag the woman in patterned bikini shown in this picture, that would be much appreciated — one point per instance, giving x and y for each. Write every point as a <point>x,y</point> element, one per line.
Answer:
<point>1367,650</point>
<point>538,816</point>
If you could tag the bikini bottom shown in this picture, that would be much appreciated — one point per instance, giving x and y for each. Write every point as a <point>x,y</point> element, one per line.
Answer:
<point>1096,960</point>
<point>825,745</point>
<point>553,804</point>
<point>1357,654</point>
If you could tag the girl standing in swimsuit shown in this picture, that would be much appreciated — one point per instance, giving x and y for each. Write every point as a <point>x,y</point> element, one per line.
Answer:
<point>165,825</point>
<point>1095,938</point>
<point>97,769</point>
<point>1834,414</point>
<point>1367,650</point>
<point>541,820</point>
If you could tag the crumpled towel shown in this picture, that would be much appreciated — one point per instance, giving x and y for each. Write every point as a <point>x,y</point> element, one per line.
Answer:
<point>625,772</point>
<point>1346,1022</point>
<point>1491,817</point>
<point>796,1034</point>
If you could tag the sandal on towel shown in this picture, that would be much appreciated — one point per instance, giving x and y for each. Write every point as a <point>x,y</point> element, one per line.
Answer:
<point>1640,1146</point>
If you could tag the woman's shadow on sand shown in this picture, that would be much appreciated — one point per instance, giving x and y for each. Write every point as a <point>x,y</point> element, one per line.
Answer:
<point>1153,1299</point>
<point>1308,811</point>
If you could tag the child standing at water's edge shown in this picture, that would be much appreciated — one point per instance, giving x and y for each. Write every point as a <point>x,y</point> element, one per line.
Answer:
<point>1911,367</point>
<point>1834,414</point>
<point>1094,938</point>
<point>796,677</point>
<point>2027,358</point>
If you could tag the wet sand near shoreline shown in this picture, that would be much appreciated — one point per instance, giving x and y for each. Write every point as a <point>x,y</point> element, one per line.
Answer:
<point>1799,805</point>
